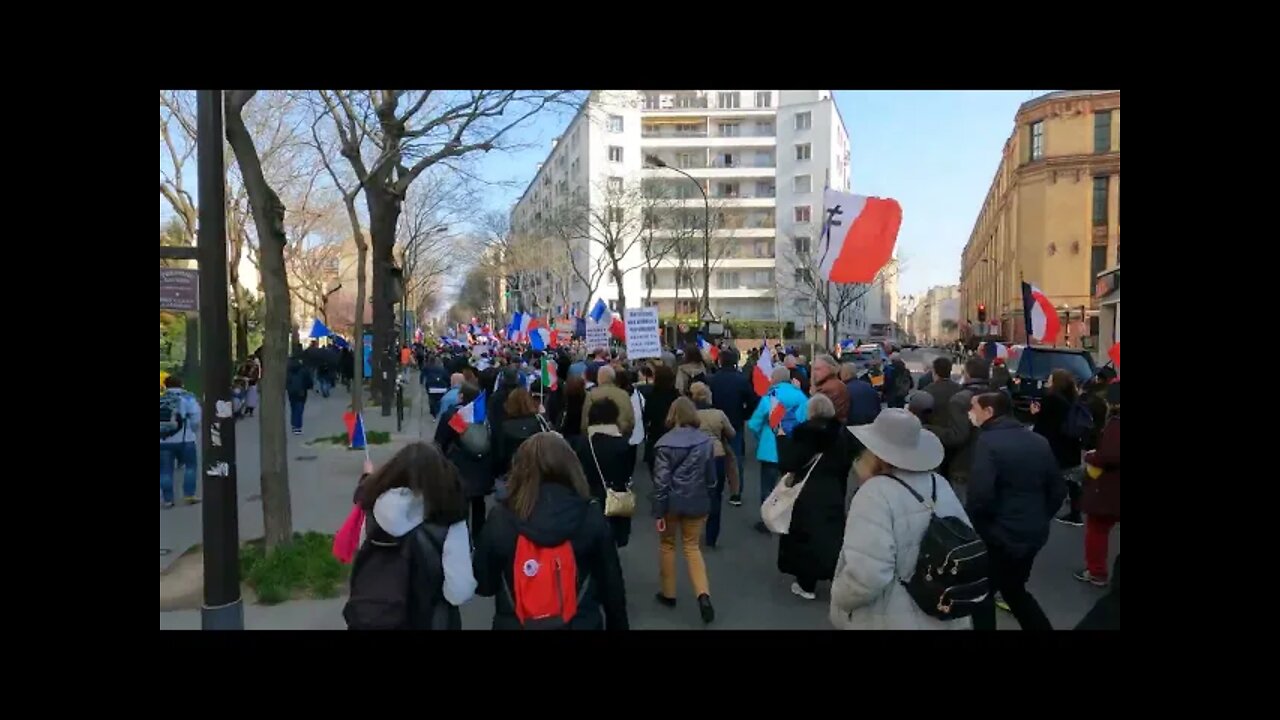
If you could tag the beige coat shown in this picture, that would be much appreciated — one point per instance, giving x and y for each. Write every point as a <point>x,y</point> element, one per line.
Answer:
<point>716,425</point>
<point>626,417</point>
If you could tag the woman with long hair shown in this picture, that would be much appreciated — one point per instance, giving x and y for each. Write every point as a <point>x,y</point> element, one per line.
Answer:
<point>1051,422</point>
<point>683,480</point>
<point>575,394</point>
<point>658,403</point>
<point>416,492</point>
<point>549,513</point>
<point>692,369</point>
<point>473,468</point>
<point>521,421</point>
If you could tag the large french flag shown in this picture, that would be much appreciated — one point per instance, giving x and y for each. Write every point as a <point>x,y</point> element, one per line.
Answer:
<point>760,381</point>
<point>1041,317</point>
<point>863,233</point>
<point>470,414</point>
<point>708,349</point>
<point>522,329</point>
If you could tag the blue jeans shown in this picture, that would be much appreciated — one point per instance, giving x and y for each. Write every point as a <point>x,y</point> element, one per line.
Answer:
<point>768,479</point>
<point>739,447</point>
<point>325,386</point>
<point>295,411</point>
<point>184,453</point>
<point>717,494</point>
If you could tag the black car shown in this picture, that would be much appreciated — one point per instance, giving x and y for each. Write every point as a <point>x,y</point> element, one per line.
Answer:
<point>1030,371</point>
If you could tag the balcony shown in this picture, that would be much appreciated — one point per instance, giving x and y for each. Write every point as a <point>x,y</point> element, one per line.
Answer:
<point>747,131</point>
<point>670,131</point>
<point>719,161</point>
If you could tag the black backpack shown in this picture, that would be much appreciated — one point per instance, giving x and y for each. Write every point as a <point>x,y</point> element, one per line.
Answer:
<point>1079,420</point>
<point>383,580</point>
<point>950,579</point>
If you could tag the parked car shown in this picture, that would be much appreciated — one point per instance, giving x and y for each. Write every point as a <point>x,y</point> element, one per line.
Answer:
<point>1031,367</point>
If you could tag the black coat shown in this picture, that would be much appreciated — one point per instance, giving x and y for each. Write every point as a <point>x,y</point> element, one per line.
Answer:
<point>298,380</point>
<point>1015,487</point>
<point>812,546</point>
<point>657,405</point>
<point>1049,423</point>
<point>514,432</point>
<point>474,470</point>
<point>614,454</point>
<point>864,402</point>
<point>560,515</point>
<point>731,393</point>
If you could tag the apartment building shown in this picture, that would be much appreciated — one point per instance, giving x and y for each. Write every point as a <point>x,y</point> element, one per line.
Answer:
<point>762,157</point>
<point>935,315</point>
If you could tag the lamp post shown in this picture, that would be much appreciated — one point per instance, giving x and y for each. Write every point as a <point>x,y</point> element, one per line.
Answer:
<point>655,161</point>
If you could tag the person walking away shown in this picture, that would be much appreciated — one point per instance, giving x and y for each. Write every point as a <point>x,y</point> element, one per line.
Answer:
<point>522,422</point>
<point>732,394</point>
<point>607,388</point>
<point>347,366</point>
<point>1101,499</point>
<point>899,382</point>
<point>1054,422</point>
<point>950,419</point>
<point>827,381</point>
<point>313,357</point>
<point>639,398</point>
<point>450,398</point>
<point>920,404</point>
<point>607,461</point>
<point>179,433</point>
<point>793,411</point>
<point>327,372</point>
<point>691,370</point>
<point>797,373</point>
<point>886,524</point>
<point>715,425</point>
<point>474,469</point>
<point>252,373</point>
<point>415,531</point>
<point>547,556</point>
<point>683,481</point>
<point>297,384</point>
<point>507,381</point>
<point>1015,487</point>
<point>436,381</point>
<point>821,450</point>
<point>655,412</point>
<point>1001,380</point>
<point>864,401</point>
<point>575,396</point>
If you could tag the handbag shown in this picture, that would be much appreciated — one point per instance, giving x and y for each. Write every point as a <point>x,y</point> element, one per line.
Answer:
<point>776,511</point>
<point>617,503</point>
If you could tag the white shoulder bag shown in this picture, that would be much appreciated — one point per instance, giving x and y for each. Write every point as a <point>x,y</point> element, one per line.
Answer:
<point>776,511</point>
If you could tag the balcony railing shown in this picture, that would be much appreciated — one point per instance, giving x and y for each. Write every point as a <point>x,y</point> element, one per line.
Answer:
<point>679,102</point>
<point>745,131</point>
<point>720,162</point>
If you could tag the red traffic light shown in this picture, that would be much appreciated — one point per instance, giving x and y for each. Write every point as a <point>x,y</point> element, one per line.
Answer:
<point>982,306</point>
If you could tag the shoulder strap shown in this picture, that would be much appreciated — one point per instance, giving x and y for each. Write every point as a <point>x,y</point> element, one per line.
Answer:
<point>591,445</point>
<point>916,495</point>
<point>813,464</point>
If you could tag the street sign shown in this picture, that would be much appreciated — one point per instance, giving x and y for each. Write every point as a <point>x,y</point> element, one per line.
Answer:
<point>179,289</point>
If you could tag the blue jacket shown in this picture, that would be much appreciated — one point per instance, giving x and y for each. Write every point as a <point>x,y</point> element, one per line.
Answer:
<point>189,410</point>
<point>731,393</point>
<point>449,400</point>
<point>864,402</point>
<point>767,441</point>
<point>1015,487</point>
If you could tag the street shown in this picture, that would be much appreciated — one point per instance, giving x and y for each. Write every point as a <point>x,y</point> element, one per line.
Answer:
<point>747,589</point>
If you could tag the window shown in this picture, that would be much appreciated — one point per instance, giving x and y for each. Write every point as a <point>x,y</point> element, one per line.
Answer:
<point>685,160</point>
<point>763,278</point>
<point>803,276</point>
<point>1100,201</point>
<point>573,167</point>
<point>574,141</point>
<point>615,215</point>
<point>729,100</point>
<point>765,189</point>
<point>1098,262</point>
<point>615,184</point>
<point>615,123</point>
<point>727,189</point>
<point>801,243</point>
<point>649,279</point>
<point>1037,140</point>
<point>802,213</point>
<point>804,151</point>
<point>686,307</point>
<point>804,120</point>
<point>764,248</point>
<point>615,154</point>
<point>1102,131</point>
<point>651,102</point>
<point>729,129</point>
<point>727,280</point>
<point>613,305</point>
<point>728,160</point>
<point>764,99</point>
<point>802,183</point>
<point>764,128</point>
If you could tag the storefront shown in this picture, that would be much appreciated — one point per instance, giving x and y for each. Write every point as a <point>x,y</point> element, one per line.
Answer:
<point>1107,292</point>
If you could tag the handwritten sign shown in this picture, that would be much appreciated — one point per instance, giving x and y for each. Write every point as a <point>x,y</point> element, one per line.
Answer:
<point>642,333</point>
<point>179,290</point>
<point>597,334</point>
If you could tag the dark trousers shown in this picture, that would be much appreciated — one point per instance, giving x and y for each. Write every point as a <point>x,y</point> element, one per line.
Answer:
<point>477,518</point>
<point>717,494</point>
<point>768,479</point>
<point>807,584</point>
<point>296,406</point>
<point>1009,576</point>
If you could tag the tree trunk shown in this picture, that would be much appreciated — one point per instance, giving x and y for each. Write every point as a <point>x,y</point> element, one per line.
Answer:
<point>191,360</point>
<point>384,212</point>
<point>239,317</point>
<point>622,294</point>
<point>268,219</point>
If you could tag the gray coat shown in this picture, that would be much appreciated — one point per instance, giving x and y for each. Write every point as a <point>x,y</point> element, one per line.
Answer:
<point>684,473</point>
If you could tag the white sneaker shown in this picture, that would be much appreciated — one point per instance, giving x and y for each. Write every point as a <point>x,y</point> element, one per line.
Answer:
<point>799,591</point>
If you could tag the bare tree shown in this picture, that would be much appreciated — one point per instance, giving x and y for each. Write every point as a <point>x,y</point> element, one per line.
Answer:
<point>390,137</point>
<point>801,279</point>
<point>440,200</point>
<point>314,234</point>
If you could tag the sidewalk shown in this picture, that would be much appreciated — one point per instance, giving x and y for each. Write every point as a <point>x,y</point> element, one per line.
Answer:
<point>321,478</point>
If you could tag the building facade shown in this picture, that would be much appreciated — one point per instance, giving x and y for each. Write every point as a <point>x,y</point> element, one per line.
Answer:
<point>935,315</point>
<point>763,158</point>
<point>1051,216</point>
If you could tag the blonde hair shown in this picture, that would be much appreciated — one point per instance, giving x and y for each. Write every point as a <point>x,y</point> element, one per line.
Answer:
<point>683,413</point>
<point>700,392</point>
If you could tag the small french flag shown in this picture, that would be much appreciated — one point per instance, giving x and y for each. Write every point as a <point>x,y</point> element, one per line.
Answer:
<point>776,412</point>
<point>358,439</point>
<point>708,349</point>
<point>470,414</point>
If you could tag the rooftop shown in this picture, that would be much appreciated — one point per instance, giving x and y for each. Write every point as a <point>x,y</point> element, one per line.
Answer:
<point>1060,95</point>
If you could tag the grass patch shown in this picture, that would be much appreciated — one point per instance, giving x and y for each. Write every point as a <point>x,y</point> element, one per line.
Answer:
<point>305,567</point>
<point>375,437</point>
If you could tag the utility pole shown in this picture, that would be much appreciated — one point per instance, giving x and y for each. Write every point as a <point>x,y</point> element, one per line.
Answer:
<point>223,608</point>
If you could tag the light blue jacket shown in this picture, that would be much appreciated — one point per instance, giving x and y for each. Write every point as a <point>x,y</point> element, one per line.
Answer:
<point>189,408</point>
<point>449,400</point>
<point>767,441</point>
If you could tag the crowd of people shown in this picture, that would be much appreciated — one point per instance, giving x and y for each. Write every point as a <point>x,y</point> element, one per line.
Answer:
<point>560,458</point>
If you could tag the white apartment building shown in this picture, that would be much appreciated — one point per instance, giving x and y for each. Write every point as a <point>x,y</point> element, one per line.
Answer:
<point>762,156</point>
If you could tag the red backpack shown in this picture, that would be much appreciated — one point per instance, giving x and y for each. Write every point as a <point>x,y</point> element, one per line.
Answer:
<point>546,585</point>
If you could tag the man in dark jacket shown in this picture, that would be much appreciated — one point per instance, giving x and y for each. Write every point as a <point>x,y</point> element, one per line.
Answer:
<point>950,420</point>
<point>864,401</point>
<point>496,413</point>
<point>951,427</point>
<point>731,393</point>
<point>1015,487</point>
<point>297,383</point>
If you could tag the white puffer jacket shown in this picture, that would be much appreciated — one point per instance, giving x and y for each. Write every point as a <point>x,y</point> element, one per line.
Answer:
<point>881,542</point>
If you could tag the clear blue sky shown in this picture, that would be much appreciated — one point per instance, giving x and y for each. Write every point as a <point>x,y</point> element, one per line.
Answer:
<point>935,151</point>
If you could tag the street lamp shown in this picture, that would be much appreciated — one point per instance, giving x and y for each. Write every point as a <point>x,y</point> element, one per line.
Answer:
<point>657,162</point>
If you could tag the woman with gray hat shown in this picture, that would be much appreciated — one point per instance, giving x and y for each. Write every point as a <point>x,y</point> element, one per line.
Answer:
<point>886,523</point>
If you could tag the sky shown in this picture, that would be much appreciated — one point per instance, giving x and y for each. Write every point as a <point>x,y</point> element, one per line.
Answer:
<point>934,151</point>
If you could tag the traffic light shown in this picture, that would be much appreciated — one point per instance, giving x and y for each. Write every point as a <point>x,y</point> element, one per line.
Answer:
<point>982,312</point>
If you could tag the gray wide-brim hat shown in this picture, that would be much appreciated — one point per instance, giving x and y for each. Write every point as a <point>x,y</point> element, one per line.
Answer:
<point>897,438</point>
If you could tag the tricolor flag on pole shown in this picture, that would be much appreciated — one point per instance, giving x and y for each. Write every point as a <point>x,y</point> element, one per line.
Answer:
<point>550,377</point>
<point>358,439</point>
<point>760,381</point>
<point>1040,315</point>
<point>470,414</point>
<point>777,411</point>
<point>708,349</point>
<point>861,235</point>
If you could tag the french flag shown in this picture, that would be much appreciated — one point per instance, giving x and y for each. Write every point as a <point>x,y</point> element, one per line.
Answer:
<point>618,329</point>
<point>522,332</point>
<point>540,336</point>
<point>470,414</point>
<point>760,381</point>
<point>862,234</point>
<point>358,439</point>
<point>776,412</point>
<point>708,349</point>
<point>1040,315</point>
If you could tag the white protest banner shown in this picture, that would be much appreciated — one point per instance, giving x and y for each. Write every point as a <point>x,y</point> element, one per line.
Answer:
<point>642,333</point>
<point>597,334</point>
